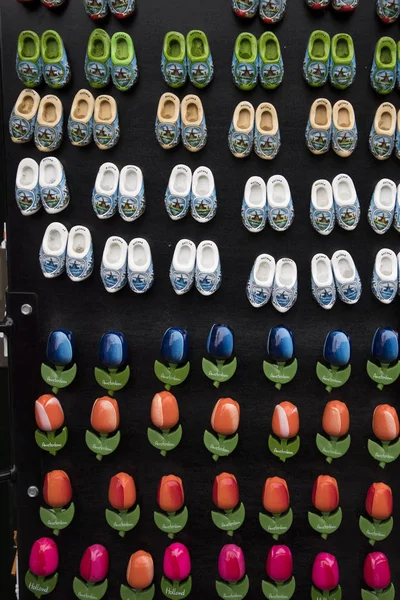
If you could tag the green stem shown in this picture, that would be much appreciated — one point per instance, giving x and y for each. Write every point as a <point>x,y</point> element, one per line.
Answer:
<point>220,363</point>
<point>329,459</point>
<point>171,536</point>
<point>121,533</point>
<point>57,512</point>
<point>51,436</point>
<point>385,446</point>
<point>334,439</point>
<point>284,442</point>
<point>112,371</point>
<point>372,542</point>
<point>281,366</point>
<point>103,437</point>
<point>40,582</point>
<point>324,515</point>
<point>384,367</point>
<point>163,452</point>
<point>172,368</point>
<point>59,368</point>
<point>164,432</point>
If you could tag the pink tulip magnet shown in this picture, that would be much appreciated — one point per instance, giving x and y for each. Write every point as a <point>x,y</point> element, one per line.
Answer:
<point>94,569</point>
<point>279,568</point>
<point>232,569</point>
<point>377,576</point>
<point>41,578</point>
<point>177,581</point>
<point>325,578</point>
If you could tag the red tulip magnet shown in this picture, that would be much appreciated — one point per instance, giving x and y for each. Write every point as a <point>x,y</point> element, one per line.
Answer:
<point>325,578</point>
<point>276,500</point>
<point>49,417</point>
<point>57,493</point>
<point>165,416</point>
<point>122,496</point>
<point>225,422</point>
<point>379,506</point>
<point>335,423</point>
<point>325,498</point>
<point>279,568</point>
<point>285,442</point>
<point>177,581</point>
<point>232,569</point>
<point>226,497</point>
<point>385,425</point>
<point>93,569</point>
<point>41,578</point>
<point>377,576</point>
<point>139,575</point>
<point>171,498</point>
<point>104,420</point>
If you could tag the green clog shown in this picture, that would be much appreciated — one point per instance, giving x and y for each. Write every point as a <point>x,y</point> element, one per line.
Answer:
<point>56,69</point>
<point>29,62</point>
<point>343,61</point>
<point>316,60</point>
<point>173,60</point>
<point>270,63</point>
<point>124,70</point>
<point>383,70</point>
<point>97,62</point>
<point>245,61</point>
<point>199,60</point>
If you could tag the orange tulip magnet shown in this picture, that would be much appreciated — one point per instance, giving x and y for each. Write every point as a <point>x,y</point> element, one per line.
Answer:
<point>385,425</point>
<point>284,442</point>
<point>139,575</point>
<point>379,506</point>
<point>164,415</point>
<point>225,422</point>
<point>57,493</point>
<point>49,417</point>
<point>122,496</point>
<point>104,420</point>
<point>226,497</point>
<point>276,501</point>
<point>335,423</point>
<point>171,499</point>
<point>325,498</point>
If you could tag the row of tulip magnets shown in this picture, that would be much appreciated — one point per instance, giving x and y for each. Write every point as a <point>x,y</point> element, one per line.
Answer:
<point>280,368</point>
<point>57,493</point>
<point>42,576</point>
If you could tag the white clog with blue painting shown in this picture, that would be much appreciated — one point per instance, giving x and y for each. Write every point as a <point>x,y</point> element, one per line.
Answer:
<point>54,190</point>
<point>280,203</point>
<point>322,283</point>
<point>259,285</point>
<point>177,195</point>
<point>322,211</point>
<point>140,266</point>
<point>284,291</point>
<point>208,274</point>
<point>27,193</point>
<point>105,191</point>
<point>113,269</point>
<point>254,205</point>
<point>183,265</point>
<point>203,198</point>
<point>80,260</point>
<point>382,206</point>
<point>53,250</point>
<point>347,205</point>
<point>272,11</point>
<point>131,196</point>
<point>347,279</point>
<point>385,276</point>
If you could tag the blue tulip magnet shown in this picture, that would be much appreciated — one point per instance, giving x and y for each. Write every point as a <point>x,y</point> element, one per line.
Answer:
<point>175,352</point>
<point>113,354</point>
<point>337,352</point>
<point>282,366</point>
<point>385,350</point>
<point>220,345</point>
<point>59,352</point>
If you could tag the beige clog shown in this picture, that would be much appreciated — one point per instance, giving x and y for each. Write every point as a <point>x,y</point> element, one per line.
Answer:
<point>382,135</point>
<point>241,132</point>
<point>193,123</point>
<point>168,131</point>
<point>344,129</point>
<point>23,116</point>
<point>319,127</point>
<point>80,125</point>
<point>49,124</point>
<point>106,122</point>
<point>267,139</point>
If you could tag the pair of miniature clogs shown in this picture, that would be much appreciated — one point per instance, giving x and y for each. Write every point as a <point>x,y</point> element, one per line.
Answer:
<point>176,120</point>
<point>62,251</point>
<point>388,10</point>
<point>44,184</point>
<point>41,118</point>
<point>196,191</point>
<point>182,58</point>
<point>98,9</point>
<point>272,202</point>
<point>385,282</point>
<point>42,58</point>
<point>113,58</point>
<point>334,203</point>
<point>385,70</point>
<point>335,277</point>
<point>258,129</point>
<point>334,58</point>
<point>123,190</point>
<point>384,208</point>
<point>48,3</point>
<point>93,119</point>
<point>269,279</point>
<point>339,5</point>
<point>254,60</point>
<point>123,263</point>
<point>384,136</point>
<point>270,11</point>
<point>200,266</point>
<point>334,127</point>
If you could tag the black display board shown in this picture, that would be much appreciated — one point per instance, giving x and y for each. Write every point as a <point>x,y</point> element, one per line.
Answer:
<point>89,311</point>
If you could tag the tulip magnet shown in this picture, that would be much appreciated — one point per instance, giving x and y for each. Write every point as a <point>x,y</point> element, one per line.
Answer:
<point>379,506</point>
<point>60,352</point>
<point>41,578</point>
<point>176,581</point>
<point>325,498</point>
<point>232,569</point>
<point>49,417</point>
<point>139,575</point>
<point>170,498</point>
<point>122,496</point>
<point>94,569</point>
<point>279,568</point>
<point>337,352</point>
<point>175,352</point>
<point>385,425</point>
<point>113,355</point>
<point>276,500</point>
<point>104,420</point>
<point>225,422</point>
<point>325,578</point>
<point>385,350</point>
<point>377,576</point>
<point>280,348</point>
<point>220,345</point>
<point>285,442</point>
<point>226,498</point>
<point>335,423</point>
<point>57,493</point>
<point>165,416</point>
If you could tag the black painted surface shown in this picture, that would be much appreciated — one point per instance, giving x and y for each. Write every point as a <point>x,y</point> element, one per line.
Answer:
<point>89,311</point>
